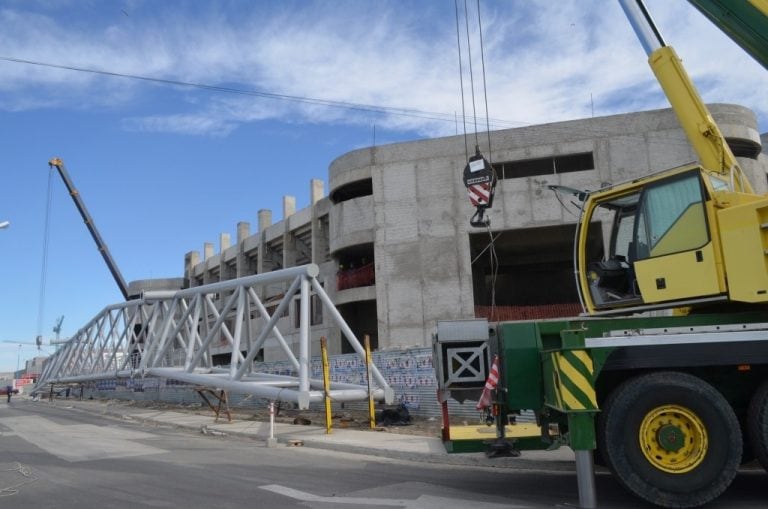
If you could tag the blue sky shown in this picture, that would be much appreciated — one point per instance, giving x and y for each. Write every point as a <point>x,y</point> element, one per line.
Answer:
<point>164,168</point>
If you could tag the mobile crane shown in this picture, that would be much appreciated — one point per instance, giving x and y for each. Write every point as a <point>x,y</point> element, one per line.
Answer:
<point>672,403</point>
<point>88,220</point>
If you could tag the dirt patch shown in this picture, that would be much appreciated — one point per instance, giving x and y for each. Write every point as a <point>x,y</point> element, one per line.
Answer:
<point>341,419</point>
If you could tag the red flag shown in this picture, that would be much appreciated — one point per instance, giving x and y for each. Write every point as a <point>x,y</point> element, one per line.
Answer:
<point>490,384</point>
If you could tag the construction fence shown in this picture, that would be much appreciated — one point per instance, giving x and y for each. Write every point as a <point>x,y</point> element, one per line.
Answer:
<point>409,372</point>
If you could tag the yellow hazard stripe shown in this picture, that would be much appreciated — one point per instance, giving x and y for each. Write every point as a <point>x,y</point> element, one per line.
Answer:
<point>579,380</point>
<point>571,402</point>
<point>570,375</point>
<point>556,386</point>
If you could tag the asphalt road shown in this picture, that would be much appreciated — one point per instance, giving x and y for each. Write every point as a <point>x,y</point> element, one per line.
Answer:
<point>57,457</point>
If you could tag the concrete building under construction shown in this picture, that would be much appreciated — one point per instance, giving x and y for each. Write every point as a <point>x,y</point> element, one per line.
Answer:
<point>393,241</point>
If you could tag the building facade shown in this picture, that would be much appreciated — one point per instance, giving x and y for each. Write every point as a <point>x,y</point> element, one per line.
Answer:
<point>393,241</point>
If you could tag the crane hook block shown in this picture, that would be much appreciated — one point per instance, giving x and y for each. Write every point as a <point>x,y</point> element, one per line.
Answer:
<point>480,181</point>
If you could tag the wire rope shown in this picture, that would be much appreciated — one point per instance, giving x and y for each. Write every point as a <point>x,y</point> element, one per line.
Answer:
<point>485,88</point>
<point>397,111</point>
<point>461,80</point>
<point>44,264</point>
<point>471,74</point>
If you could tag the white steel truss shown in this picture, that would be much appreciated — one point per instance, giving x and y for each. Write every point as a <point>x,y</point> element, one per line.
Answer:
<point>171,334</point>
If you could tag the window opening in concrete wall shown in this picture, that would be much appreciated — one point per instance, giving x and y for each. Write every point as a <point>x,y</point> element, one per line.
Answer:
<point>362,319</point>
<point>356,267</point>
<point>230,271</point>
<point>315,311</point>
<point>535,276</point>
<point>545,165</point>
<point>325,229</point>
<point>273,303</point>
<point>223,359</point>
<point>252,263</point>
<point>744,148</point>
<point>352,190</point>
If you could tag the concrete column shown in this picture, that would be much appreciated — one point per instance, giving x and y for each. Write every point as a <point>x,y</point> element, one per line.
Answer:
<point>265,219</point>
<point>243,231</point>
<point>289,206</point>
<point>224,242</point>
<point>191,259</point>
<point>316,191</point>
<point>319,234</point>
<point>289,249</point>
<point>207,255</point>
<point>207,250</point>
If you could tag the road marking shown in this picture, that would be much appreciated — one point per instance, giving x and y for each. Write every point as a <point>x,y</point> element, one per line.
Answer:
<point>80,442</point>
<point>423,502</point>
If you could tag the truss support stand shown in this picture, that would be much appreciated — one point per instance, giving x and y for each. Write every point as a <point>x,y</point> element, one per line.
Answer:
<point>271,440</point>
<point>221,397</point>
<point>326,386</point>
<point>585,477</point>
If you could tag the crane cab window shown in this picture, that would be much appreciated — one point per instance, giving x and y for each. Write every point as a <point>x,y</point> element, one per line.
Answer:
<point>671,218</point>
<point>611,278</point>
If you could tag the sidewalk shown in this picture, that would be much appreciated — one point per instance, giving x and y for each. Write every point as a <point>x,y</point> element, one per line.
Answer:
<point>374,443</point>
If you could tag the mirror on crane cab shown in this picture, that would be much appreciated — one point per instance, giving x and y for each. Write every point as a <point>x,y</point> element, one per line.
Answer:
<point>660,249</point>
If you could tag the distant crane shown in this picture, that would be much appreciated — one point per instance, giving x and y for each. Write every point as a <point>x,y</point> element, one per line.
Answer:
<point>57,329</point>
<point>100,244</point>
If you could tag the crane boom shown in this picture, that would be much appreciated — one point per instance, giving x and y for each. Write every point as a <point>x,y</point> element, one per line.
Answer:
<point>694,116</point>
<point>100,244</point>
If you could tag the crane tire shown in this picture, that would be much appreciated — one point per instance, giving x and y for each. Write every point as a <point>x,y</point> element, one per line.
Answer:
<point>670,438</point>
<point>757,424</point>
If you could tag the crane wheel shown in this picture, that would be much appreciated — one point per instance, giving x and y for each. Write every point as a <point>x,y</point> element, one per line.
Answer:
<point>670,438</point>
<point>757,424</point>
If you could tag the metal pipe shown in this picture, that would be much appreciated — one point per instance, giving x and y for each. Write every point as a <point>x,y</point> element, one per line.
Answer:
<point>585,477</point>
<point>390,395</point>
<point>304,336</point>
<point>209,337</point>
<point>275,331</point>
<point>277,276</point>
<point>271,324</point>
<point>236,355</point>
<point>643,25</point>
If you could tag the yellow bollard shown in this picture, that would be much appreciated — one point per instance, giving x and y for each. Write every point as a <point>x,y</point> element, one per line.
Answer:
<point>371,410</point>
<point>326,385</point>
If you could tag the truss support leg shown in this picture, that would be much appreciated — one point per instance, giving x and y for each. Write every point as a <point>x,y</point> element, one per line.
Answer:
<point>221,397</point>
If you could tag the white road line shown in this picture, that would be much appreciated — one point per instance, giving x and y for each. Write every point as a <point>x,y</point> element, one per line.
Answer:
<point>80,442</point>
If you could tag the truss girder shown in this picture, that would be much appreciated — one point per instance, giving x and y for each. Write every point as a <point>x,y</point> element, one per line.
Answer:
<point>171,335</point>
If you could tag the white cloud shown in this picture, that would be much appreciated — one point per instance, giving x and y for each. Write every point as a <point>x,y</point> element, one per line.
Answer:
<point>546,61</point>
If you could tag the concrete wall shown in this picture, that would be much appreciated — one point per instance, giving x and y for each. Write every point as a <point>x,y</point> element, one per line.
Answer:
<point>415,223</point>
<point>421,210</point>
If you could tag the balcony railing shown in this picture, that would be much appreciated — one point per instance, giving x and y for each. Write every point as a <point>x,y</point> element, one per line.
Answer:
<point>356,278</point>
